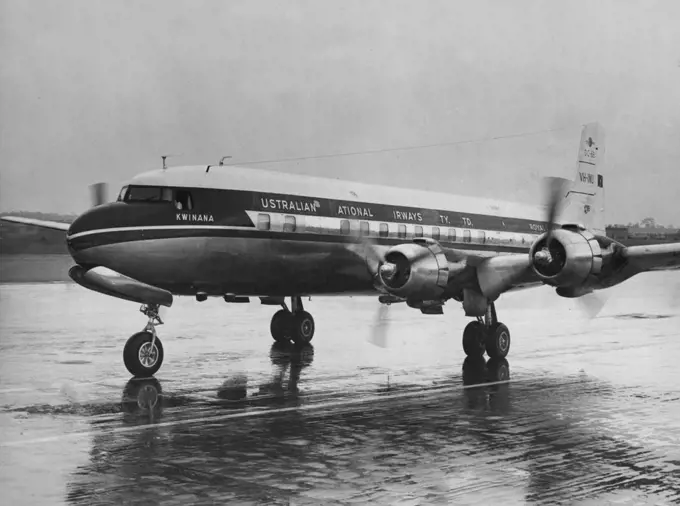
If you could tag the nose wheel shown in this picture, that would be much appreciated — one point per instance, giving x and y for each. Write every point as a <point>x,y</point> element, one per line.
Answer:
<point>295,325</point>
<point>486,335</point>
<point>143,352</point>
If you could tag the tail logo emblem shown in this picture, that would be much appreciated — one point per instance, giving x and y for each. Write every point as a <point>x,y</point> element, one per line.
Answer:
<point>586,209</point>
<point>590,142</point>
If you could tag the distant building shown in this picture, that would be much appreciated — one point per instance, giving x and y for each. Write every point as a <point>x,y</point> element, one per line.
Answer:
<point>641,235</point>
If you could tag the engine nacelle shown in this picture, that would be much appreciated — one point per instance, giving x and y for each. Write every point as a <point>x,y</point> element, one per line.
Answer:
<point>417,270</point>
<point>571,258</point>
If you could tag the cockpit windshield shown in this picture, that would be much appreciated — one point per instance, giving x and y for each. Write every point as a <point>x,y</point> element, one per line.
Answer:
<point>121,194</point>
<point>180,198</point>
<point>148,194</point>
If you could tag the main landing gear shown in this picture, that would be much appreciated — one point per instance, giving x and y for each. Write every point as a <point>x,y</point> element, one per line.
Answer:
<point>486,334</point>
<point>143,352</point>
<point>295,325</point>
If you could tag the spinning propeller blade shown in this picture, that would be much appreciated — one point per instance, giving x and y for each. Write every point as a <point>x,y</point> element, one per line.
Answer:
<point>98,191</point>
<point>592,303</point>
<point>378,336</point>
<point>555,190</point>
<point>375,261</point>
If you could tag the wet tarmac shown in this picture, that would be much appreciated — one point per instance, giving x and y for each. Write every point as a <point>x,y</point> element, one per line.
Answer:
<point>582,411</point>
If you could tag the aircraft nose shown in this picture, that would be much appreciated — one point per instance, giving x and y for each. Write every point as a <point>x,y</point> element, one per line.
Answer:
<point>85,233</point>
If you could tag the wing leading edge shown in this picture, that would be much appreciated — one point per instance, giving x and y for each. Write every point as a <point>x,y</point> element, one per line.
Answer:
<point>655,257</point>
<point>499,274</point>
<point>54,225</point>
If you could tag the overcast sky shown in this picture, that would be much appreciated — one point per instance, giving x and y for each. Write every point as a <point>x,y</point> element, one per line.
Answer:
<point>97,91</point>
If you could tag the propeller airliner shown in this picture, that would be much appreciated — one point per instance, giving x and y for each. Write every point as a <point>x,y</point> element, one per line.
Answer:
<point>242,233</point>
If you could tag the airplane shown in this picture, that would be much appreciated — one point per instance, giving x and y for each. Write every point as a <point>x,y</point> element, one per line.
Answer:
<point>241,233</point>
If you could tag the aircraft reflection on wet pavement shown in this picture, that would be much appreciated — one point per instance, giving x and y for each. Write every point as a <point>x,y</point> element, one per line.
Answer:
<point>520,441</point>
<point>144,397</point>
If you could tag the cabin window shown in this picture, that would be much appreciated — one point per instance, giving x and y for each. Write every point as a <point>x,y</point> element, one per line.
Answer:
<point>344,227</point>
<point>263,221</point>
<point>384,230</point>
<point>452,234</point>
<point>364,228</point>
<point>419,231</point>
<point>183,200</point>
<point>435,233</point>
<point>482,236</point>
<point>289,224</point>
<point>402,231</point>
<point>467,237</point>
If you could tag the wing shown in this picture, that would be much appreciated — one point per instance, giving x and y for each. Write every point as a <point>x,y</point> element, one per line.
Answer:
<point>54,225</point>
<point>655,257</point>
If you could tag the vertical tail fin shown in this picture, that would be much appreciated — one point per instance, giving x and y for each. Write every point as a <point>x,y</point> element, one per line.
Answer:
<point>584,203</point>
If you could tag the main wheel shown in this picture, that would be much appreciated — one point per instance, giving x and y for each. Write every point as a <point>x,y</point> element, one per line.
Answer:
<point>473,339</point>
<point>498,341</point>
<point>141,358</point>
<point>302,329</point>
<point>281,326</point>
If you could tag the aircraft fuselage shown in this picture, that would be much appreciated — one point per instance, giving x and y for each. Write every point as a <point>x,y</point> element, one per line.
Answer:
<point>259,242</point>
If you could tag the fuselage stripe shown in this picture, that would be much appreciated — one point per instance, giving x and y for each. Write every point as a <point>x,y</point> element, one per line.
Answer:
<point>155,227</point>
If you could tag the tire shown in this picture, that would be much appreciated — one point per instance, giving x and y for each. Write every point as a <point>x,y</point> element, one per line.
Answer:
<point>473,339</point>
<point>498,341</point>
<point>280,326</point>
<point>137,351</point>
<point>302,328</point>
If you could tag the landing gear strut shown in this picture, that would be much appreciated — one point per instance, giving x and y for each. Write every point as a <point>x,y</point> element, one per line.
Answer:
<point>486,334</point>
<point>295,325</point>
<point>143,352</point>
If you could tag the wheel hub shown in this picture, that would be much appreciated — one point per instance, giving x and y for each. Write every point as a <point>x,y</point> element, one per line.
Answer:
<point>148,355</point>
<point>503,341</point>
<point>306,328</point>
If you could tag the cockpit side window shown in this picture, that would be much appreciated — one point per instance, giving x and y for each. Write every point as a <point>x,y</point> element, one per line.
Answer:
<point>183,200</point>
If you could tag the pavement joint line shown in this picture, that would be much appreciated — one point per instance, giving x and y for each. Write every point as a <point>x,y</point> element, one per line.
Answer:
<point>249,414</point>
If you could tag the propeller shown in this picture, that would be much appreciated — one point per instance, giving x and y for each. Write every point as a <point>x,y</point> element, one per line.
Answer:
<point>555,190</point>
<point>98,193</point>
<point>377,265</point>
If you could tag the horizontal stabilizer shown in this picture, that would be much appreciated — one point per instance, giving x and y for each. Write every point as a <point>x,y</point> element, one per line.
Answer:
<point>108,282</point>
<point>55,225</point>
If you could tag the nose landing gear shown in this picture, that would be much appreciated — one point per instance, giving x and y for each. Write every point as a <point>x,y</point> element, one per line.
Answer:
<point>295,325</point>
<point>143,352</point>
